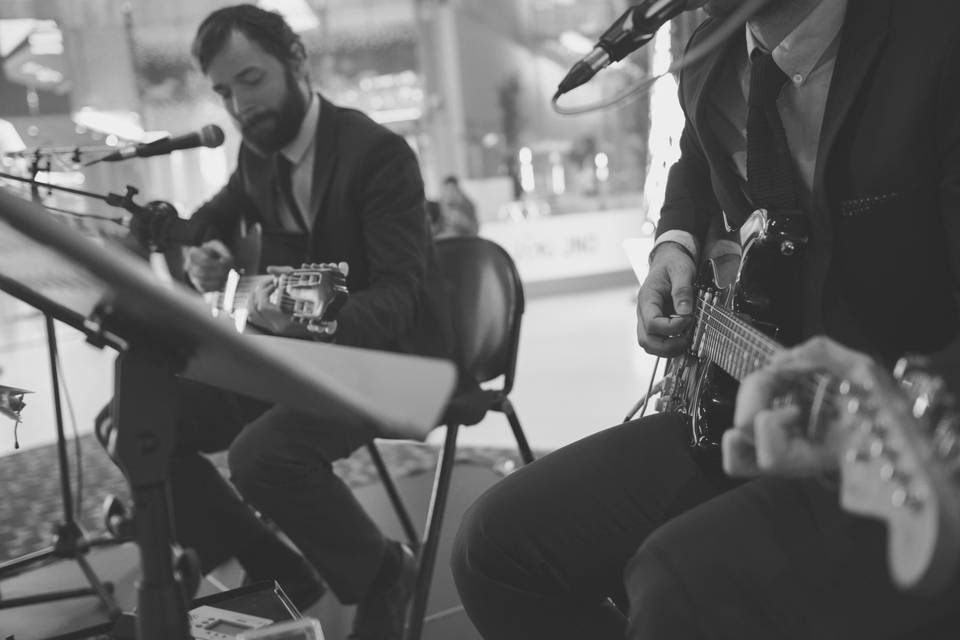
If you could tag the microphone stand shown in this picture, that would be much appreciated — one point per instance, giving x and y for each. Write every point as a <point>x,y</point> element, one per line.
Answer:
<point>150,224</point>
<point>124,201</point>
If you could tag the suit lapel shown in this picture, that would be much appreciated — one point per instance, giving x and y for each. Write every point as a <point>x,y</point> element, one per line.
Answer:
<point>325,148</point>
<point>702,78</point>
<point>864,29</point>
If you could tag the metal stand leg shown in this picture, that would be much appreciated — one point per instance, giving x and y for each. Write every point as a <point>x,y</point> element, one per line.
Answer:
<point>431,540</point>
<point>70,542</point>
<point>145,411</point>
<point>525,453</point>
<point>391,488</point>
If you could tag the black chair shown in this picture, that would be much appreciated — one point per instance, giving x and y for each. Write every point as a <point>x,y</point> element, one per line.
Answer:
<point>486,302</point>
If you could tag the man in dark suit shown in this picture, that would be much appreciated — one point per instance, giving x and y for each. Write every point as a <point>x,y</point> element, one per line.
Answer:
<point>326,184</point>
<point>847,112</point>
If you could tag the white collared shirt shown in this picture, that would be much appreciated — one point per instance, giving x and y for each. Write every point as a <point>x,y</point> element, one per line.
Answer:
<point>301,153</point>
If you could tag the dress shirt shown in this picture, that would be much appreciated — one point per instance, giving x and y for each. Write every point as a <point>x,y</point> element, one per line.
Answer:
<point>301,152</point>
<point>807,56</point>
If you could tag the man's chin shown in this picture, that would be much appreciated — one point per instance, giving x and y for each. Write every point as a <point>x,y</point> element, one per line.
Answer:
<point>262,139</point>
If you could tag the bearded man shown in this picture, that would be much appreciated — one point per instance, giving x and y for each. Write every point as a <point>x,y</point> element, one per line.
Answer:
<point>325,184</point>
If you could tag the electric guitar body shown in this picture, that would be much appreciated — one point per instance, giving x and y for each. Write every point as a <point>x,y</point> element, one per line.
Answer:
<point>756,283</point>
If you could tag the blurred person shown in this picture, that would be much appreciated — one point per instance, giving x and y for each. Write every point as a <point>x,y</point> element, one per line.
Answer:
<point>435,218</point>
<point>327,185</point>
<point>458,212</point>
<point>846,112</point>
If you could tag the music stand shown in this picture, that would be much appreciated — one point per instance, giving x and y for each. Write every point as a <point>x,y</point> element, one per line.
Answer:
<point>69,541</point>
<point>160,331</point>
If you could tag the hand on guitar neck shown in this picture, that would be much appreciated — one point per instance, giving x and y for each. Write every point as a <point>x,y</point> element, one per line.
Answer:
<point>296,303</point>
<point>772,436</point>
<point>665,301</point>
<point>895,439</point>
<point>271,302</point>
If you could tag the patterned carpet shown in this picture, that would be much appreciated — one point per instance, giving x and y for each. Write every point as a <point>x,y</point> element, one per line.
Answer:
<point>30,481</point>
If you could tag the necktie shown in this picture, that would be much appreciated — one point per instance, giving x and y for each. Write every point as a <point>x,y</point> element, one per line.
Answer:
<point>285,177</point>
<point>770,177</point>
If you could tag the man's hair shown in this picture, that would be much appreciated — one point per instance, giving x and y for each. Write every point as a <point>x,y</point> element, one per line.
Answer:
<point>451,179</point>
<point>266,28</point>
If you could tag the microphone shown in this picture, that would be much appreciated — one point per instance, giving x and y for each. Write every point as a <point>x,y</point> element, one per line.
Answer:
<point>629,32</point>
<point>209,136</point>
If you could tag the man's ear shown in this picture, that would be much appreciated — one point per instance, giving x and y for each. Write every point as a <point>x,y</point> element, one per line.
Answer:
<point>298,59</point>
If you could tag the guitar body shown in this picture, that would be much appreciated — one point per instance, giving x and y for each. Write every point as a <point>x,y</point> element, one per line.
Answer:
<point>760,285</point>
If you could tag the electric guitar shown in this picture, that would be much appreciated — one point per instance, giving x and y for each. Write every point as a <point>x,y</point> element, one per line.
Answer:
<point>901,464</point>
<point>746,300</point>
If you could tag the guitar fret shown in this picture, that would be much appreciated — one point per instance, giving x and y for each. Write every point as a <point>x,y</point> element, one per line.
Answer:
<point>736,347</point>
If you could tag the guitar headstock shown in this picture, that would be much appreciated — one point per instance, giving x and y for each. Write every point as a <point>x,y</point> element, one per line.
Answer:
<point>901,465</point>
<point>312,294</point>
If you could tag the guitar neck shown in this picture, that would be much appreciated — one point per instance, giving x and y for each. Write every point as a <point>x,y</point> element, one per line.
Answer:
<point>236,294</point>
<point>728,340</point>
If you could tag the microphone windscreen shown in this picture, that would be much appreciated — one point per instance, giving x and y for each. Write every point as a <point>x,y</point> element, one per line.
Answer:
<point>211,136</point>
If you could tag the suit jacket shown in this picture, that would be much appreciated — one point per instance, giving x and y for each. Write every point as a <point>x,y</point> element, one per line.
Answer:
<point>880,272</point>
<point>370,214</point>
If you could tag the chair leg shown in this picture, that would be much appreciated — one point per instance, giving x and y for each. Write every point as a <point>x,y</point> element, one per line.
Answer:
<point>391,488</point>
<point>525,453</point>
<point>431,540</point>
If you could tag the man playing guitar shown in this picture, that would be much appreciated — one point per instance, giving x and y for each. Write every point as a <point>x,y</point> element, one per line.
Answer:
<point>825,135</point>
<point>326,185</point>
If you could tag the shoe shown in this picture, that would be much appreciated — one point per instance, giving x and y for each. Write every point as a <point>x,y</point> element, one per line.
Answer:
<point>381,615</point>
<point>271,559</point>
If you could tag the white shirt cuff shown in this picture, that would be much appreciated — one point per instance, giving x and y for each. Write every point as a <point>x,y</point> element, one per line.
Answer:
<point>683,238</point>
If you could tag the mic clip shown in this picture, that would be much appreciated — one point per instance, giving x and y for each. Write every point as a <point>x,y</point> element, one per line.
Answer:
<point>151,224</point>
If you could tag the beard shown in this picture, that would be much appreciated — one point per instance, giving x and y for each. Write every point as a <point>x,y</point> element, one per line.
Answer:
<point>719,8</point>
<point>273,129</point>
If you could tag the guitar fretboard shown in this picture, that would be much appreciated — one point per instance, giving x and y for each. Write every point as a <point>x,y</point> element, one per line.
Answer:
<point>237,295</point>
<point>730,341</point>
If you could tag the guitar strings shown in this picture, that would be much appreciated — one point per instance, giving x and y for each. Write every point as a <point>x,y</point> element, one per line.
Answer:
<point>735,332</point>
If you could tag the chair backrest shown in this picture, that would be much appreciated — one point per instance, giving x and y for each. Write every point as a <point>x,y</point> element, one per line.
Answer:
<point>486,304</point>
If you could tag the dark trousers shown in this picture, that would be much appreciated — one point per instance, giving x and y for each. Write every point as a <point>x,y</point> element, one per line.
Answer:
<point>280,461</point>
<point>632,514</point>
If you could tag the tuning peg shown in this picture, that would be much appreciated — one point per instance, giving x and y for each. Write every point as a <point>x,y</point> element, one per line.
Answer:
<point>903,497</point>
<point>908,365</point>
<point>890,473</point>
<point>931,399</point>
<point>857,454</point>
<point>947,444</point>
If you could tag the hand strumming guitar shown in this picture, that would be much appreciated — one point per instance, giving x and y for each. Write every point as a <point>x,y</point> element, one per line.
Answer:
<point>207,265</point>
<point>771,437</point>
<point>266,313</point>
<point>665,301</point>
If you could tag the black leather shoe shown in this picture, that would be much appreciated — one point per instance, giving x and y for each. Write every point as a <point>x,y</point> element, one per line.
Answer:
<point>382,613</point>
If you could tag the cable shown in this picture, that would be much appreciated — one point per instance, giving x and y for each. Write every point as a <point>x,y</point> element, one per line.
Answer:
<point>735,21</point>
<point>641,404</point>
<point>78,502</point>
<point>89,216</point>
